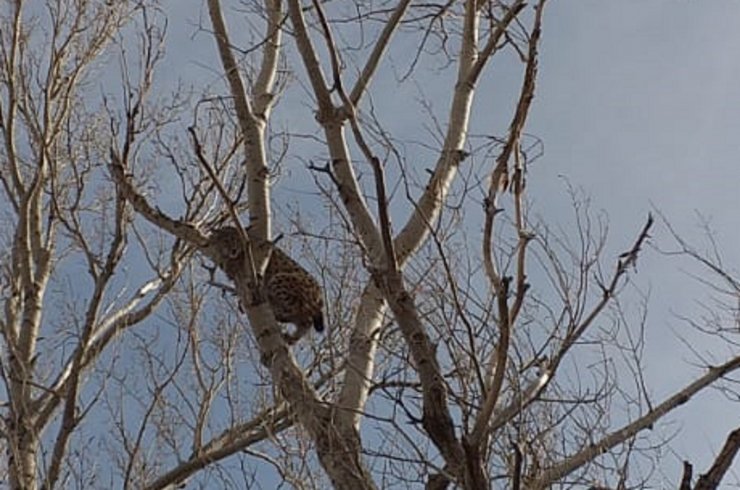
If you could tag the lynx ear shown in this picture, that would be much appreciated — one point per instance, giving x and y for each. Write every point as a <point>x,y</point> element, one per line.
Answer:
<point>318,322</point>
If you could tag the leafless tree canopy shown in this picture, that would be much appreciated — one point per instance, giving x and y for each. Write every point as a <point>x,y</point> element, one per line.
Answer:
<point>468,342</point>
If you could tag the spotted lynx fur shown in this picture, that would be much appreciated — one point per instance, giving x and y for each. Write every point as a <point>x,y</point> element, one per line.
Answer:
<point>294,295</point>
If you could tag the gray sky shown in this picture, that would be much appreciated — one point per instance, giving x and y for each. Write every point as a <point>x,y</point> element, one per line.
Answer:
<point>638,102</point>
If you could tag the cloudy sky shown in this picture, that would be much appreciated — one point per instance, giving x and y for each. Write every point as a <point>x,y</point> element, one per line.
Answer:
<point>638,103</point>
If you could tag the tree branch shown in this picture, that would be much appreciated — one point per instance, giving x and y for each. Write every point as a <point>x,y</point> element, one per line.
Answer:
<point>722,463</point>
<point>558,471</point>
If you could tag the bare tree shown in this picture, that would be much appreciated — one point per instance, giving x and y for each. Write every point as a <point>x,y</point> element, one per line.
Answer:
<point>472,345</point>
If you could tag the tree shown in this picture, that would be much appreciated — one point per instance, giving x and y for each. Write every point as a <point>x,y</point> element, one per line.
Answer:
<point>453,354</point>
